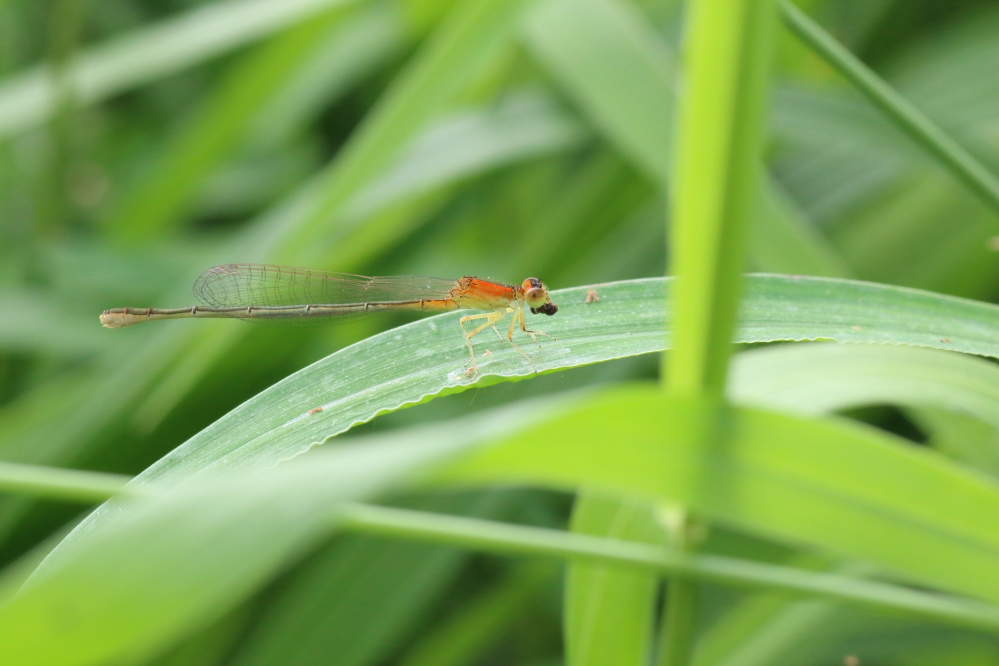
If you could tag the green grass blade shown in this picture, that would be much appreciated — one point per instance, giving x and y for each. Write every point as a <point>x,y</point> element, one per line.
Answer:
<point>347,586</point>
<point>793,377</point>
<point>612,63</point>
<point>678,628</point>
<point>145,55</point>
<point>822,378</point>
<point>413,363</point>
<point>906,117</point>
<point>719,137</point>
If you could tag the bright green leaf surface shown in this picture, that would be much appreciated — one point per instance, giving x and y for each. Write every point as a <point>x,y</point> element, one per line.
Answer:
<point>843,488</point>
<point>727,67</point>
<point>819,378</point>
<point>427,358</point>
<point>850,490</point>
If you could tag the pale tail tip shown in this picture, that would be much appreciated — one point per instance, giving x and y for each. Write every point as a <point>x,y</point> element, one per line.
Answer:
<point>113,319</point>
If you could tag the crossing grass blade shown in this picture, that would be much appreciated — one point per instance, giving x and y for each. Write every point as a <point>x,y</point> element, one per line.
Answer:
<point>841,488</point>
<point>823,378</point>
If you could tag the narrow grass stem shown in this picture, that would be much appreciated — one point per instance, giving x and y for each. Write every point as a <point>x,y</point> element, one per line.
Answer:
<point>501,538</point>
<point>677,630</point>
<point>493,537</point>
<point>679,619</point>
<point>54,483</point>
<point>726,63</point>
<point>903,114</point>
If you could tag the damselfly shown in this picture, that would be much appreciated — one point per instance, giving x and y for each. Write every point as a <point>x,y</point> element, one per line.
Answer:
<point>261,292</point>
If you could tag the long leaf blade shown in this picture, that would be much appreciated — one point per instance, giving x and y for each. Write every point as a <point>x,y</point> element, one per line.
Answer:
<point>427,358</point>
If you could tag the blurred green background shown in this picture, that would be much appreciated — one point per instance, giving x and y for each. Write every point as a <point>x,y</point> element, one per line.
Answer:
<point>142,142</point>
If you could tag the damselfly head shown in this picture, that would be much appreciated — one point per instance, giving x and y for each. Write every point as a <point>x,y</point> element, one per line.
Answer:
<point>537,298</point>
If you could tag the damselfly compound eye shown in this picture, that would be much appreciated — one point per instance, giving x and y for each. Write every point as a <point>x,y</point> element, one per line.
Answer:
<point>536,297</point>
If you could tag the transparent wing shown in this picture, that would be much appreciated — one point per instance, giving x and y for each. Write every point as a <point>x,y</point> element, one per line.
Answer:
<point>245,285</point>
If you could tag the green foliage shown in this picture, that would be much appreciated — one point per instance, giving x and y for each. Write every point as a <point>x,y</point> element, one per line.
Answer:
<point>840,499</point>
